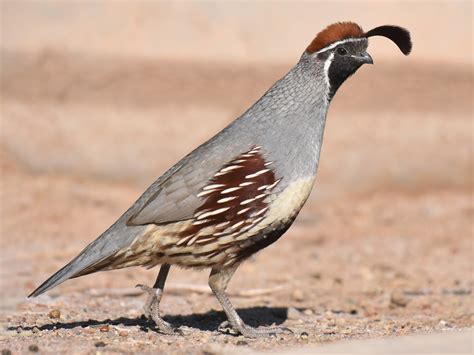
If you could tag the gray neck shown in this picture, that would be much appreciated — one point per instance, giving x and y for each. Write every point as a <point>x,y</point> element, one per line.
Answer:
<point>289,120</point>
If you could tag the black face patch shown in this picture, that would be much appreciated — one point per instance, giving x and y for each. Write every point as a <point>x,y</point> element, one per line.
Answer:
<point>344,63</point>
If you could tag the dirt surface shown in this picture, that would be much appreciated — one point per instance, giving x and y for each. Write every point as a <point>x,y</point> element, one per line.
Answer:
<point>383,248</point>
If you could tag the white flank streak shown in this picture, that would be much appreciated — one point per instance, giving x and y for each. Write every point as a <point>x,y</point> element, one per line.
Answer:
<point>237,225</point>
<point>273,185</point>
<point>269,163</point>
<point>223,224</point>
<point>204,240</point>
<point>196,223</point>
<point>247,183</point>
<point>260,196</point>
<point>226,199</point>
<point>192,240</point>
<point>239,161</point>
<point>204,193</point>
<point>246,228</point>
<point>230,168</point>
<point>212,213</point>
<point>243,210</point>
<point>232,189</point>
<point>184,240</point>
<point>259,212</point>
<point>247,155</point>
<point>247,201</point>
<point>263,187</point>
<point>254,150</point>
<point>213,186</point>
<point>263,171</point>
<point>218,234</point>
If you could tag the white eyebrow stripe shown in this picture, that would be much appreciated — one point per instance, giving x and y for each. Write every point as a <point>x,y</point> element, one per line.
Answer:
<point>335,44</point>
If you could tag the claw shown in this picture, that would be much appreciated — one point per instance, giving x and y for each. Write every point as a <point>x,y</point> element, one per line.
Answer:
<point>250,332</point>
<point>151,311</point>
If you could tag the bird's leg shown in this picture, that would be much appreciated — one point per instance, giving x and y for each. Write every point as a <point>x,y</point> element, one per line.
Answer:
<point>151,307</point>
<point>218,281</point>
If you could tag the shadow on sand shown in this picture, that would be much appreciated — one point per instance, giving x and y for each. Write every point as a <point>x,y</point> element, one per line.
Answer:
<point>254,316</point>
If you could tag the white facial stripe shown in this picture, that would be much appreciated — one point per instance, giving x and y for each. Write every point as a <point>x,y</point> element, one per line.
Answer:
<point>335,44</point>
<point>327,64</point>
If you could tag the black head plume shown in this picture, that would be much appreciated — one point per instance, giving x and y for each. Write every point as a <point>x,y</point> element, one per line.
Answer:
<point>398,35</point>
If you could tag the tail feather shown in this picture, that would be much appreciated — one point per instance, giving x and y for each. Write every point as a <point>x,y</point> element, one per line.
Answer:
<point>110,242</point>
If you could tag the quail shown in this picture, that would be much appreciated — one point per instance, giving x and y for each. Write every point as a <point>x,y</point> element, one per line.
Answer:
<point>241,190</point>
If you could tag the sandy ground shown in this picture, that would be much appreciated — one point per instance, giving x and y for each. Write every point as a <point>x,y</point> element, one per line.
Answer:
<point>382,249</point>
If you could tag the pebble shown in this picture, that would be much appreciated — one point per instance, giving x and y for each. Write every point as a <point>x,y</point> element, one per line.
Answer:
<point>304,336</point>
<point>123,333</point>
<point>104,328</point>
<point>443,323</point>
<point>35,330</point>
<point>55,314</point>
<point>329,331</point>
<point>241,342</point>
<point>398,299</point>
<point>308,312</point>
<point>89,330</point>
<point>293,313</point>
<point>298,295</point>
<point>99,344</point>
<point>33,348</point>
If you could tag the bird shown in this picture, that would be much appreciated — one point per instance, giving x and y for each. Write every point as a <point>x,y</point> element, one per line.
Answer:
<point>241,190</point>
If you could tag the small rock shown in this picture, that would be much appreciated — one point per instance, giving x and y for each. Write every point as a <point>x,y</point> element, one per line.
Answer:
<point>304,336</point>
<point>35,330</point>
<point>443,323</point>
<point>241,342</point>
<point>104,328</point>
<point>308,312</point>
<point>19,330</point>
<point>329,331</point>
<point>353,312</point>
<point>89,330</point>
<point>123,333</point>
<point>398,299</point>
<point>293,313</point>
<point>55,314</point>
<point>298,295</point>
<point>33,348</point>
<point>6,352</point>
<point>99,344</point>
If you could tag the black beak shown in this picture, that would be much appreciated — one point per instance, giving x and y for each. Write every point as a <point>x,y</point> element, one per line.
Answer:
<point>365,58</point>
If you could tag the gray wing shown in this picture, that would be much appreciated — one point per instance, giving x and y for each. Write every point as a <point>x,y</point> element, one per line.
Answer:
<point>174,197</point>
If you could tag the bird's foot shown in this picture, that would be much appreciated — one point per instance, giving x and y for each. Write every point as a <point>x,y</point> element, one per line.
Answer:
<point>251,332</point>
<point>151,311</point>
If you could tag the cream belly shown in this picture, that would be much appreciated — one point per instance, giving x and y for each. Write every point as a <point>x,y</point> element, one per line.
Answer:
<point>159,244</point>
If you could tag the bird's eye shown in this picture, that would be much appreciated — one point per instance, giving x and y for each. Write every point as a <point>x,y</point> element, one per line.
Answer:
<point>341,51</point>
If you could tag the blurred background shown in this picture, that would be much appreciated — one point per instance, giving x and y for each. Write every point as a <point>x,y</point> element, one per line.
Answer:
<point>100,98</point>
